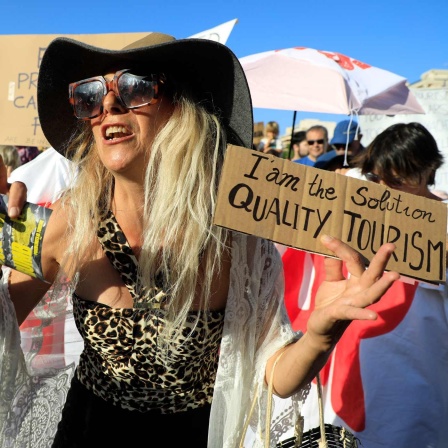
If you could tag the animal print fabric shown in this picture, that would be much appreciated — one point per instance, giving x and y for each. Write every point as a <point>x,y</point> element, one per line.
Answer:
<point>122,362</point>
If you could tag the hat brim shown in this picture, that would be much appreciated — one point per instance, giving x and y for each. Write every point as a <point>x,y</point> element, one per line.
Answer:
<point>341,140</point>
<point>210,70</point>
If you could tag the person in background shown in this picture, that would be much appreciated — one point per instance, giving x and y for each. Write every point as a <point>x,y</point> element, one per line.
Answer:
<point>317,140</point>
<point>347,136</point>
<point>299,145</point>
<point>271,142</point>
<point>11,158</point>
<point>336,163</point>
<point>27,153</point>
<point>45,177</point>
<point>11,161</point>
<point>386,380</point>
<point>404,157</point>
<point>182,320</point>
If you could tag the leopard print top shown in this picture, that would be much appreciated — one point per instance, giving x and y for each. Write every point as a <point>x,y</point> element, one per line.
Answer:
<point>121,362</point>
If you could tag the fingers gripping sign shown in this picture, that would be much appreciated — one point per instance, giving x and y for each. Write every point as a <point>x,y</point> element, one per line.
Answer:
<point>340,300</point>
<point>17,199</point>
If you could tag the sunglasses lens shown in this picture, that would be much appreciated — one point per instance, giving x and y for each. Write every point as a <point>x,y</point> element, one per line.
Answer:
<point>319,142</point>
<point>135,90</point>
<point>88,99</point>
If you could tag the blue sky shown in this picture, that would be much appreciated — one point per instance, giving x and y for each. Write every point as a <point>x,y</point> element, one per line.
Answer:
<point>406,37</point>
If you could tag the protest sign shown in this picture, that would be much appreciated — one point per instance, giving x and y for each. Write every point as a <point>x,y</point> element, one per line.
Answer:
<point>21,238</point>
<point>435,104</point>
<point>20,59</point>
<point>294,205</point>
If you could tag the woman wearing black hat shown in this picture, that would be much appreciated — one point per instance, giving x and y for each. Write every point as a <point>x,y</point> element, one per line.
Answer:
<point>175,313</point>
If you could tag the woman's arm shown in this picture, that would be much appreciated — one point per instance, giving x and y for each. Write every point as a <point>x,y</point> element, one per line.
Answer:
<point>25,293</point>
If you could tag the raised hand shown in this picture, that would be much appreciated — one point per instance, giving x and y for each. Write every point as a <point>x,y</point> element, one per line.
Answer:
<point>341,300</point>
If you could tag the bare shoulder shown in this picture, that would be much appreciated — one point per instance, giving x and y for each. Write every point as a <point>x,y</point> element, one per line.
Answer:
<point>57,224</point>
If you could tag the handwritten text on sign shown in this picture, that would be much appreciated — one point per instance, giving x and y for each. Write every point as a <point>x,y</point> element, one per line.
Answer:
<point>294,205</point>
<point>20,59</point>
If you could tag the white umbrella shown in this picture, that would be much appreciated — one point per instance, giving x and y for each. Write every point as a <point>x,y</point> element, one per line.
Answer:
<point>311,80</point>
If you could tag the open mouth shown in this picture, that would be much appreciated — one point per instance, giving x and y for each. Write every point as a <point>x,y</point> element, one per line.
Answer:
<point>114,132</point>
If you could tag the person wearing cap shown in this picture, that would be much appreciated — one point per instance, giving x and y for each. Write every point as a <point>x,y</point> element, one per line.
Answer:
<point>182,321</point>
<point>347,136</point>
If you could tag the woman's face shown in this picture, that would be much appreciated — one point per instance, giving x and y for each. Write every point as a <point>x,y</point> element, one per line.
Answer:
<point>124,136</point>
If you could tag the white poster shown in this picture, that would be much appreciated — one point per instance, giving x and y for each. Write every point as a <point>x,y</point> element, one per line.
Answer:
<point>219,33</point>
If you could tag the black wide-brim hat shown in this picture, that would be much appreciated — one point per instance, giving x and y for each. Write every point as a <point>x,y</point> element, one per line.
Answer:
<point>208,69</point>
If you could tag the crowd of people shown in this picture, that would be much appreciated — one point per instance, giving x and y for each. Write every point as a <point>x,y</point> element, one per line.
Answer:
<point>182,323</point>
<point>313,147</point>
<point>396,365</point>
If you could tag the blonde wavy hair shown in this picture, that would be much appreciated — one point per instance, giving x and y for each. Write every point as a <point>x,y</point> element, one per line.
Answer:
<point>184,165</point>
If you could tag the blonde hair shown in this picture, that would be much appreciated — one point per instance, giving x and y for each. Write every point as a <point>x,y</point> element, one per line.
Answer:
<point>272,126</point>
<point>184,165</point>
<point>11,157</point>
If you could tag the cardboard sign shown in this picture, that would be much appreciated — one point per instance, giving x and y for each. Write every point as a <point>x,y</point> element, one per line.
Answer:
<point>20,59</point>
<point>294,205</point>
<point>21,238</point>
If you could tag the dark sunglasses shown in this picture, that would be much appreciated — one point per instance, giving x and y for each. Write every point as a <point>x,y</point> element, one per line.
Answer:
<point>321,141</point>
<point>393,182</point>
<point>132,91</point>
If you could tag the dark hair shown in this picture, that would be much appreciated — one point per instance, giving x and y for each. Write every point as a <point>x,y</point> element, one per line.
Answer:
<point>298,137</point>
<point>334,163</point>
<point>405,150</point>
